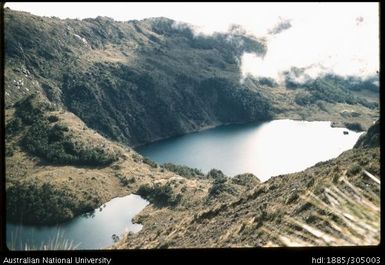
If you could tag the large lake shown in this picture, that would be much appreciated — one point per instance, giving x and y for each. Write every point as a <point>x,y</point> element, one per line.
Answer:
<point>265,149</point>
<point>89,231</point>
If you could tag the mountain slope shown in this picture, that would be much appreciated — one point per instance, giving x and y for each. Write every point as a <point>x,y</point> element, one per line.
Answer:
<point>52,189</point>
<point>371,138</point>
<point>140,81</point>
<point>190,210</point>
<point>134,81</point>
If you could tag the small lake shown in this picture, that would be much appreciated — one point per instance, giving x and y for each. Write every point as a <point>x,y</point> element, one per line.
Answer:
<point>88,231</point>
<point>265,149</point>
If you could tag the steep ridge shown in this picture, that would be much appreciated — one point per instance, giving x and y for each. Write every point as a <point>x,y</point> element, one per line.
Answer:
<point>139,81</point>
<point>134,81</point>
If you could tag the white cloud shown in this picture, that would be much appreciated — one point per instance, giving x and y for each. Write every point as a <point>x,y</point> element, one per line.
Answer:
<point>324,37</point>
<point>323,41</point>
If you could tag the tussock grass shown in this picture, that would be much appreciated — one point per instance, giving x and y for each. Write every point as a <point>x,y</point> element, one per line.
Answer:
<point>58,242</point>
<point>344,215</point>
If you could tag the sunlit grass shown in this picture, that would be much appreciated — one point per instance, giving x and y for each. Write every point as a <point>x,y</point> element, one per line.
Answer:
<point>350,217</point>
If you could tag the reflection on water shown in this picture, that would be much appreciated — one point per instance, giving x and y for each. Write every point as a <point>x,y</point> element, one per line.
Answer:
<point>265,149</point>
<point>92,230</point>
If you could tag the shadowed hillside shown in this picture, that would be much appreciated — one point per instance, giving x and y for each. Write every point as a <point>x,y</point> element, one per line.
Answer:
<point>140,81</point>
<point>134,81</point>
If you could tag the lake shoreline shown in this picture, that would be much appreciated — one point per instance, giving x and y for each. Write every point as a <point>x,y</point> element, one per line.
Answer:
<point>253,147</point>
<point>136,220</point>
<point>251,211</point>
<point>335,123</point>
<point>123,194</point>
<point>120,192</point>
<point>75,230</point>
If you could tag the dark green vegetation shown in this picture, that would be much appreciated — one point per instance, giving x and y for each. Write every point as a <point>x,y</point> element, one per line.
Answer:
<point>183,171</point>
<point>332,89</point>
<point>371,138</point>
<point>150,162</point>
<point>34,203</point>
<point>354,126</point>
<point>52,142</point>
<point>159,195</point>
<point>219,180</point>
<point>217,187</point>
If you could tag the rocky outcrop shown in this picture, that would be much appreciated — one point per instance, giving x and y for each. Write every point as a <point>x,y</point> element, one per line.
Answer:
<point>371,138</point>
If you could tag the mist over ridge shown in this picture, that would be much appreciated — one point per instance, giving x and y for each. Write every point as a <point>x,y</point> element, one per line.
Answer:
<point>318,38</point>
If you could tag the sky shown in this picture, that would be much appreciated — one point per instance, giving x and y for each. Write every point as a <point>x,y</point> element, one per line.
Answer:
<point>339,38</point>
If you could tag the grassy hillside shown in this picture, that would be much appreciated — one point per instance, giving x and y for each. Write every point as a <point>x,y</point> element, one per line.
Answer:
<point>140,81</point>
<point>333,203</point>
<point>46,188</point>
<point>189,209</point>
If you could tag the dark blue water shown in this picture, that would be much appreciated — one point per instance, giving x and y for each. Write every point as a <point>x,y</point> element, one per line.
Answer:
<point>265,149</point>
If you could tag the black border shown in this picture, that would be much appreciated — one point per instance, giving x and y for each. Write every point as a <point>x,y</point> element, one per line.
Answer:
<point>2,133</point>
